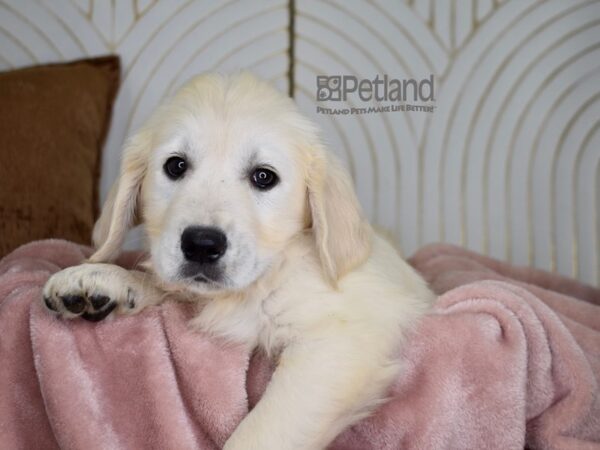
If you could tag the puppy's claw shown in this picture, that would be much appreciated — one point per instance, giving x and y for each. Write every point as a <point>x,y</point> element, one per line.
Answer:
<point>130,299</point>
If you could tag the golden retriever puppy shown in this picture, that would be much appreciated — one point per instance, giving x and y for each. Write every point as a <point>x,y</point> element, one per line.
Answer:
<point>248,215</point>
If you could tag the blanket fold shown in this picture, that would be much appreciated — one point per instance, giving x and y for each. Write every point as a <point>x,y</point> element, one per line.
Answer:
<point>508,358</point>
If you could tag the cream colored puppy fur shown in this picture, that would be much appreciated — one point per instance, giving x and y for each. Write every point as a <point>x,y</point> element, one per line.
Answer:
<point>304,276</point>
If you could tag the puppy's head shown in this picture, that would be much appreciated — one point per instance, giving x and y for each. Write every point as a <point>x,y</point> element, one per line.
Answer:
<point>223,177</point>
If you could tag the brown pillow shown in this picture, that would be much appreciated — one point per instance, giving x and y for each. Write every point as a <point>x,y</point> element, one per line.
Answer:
<point>53,122</point>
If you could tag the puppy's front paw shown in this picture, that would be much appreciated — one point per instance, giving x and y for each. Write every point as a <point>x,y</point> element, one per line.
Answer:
<point>90,291</point>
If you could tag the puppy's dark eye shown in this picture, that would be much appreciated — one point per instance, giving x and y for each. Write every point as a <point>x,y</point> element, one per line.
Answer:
<point>175,167</point>
<point>264,179</point>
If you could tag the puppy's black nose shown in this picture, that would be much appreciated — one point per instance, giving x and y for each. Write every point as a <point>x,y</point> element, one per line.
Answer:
<point>203,244</point>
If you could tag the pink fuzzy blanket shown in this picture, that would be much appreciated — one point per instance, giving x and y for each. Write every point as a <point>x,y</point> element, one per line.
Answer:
<point>510,357</point>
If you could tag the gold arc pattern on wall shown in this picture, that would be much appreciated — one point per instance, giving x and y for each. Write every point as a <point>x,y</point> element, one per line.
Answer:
<point>508,164</point>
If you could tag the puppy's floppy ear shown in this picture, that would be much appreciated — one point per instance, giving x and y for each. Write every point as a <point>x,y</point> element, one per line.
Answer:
<point>341,232</point>
<point>119,211</point>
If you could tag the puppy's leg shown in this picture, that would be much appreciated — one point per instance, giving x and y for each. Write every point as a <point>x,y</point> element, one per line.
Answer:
<point>317,390</point>
<point>93,291</point>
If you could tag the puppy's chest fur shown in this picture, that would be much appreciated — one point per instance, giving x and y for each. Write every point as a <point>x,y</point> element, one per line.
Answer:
<point>276,309</point>
<point>294,302</point>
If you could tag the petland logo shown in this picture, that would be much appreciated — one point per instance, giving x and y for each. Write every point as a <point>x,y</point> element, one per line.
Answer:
<point>380,89</point>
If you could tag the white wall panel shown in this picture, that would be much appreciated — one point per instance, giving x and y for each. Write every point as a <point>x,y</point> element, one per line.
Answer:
<point>508,163</point>
<point>161,44</point>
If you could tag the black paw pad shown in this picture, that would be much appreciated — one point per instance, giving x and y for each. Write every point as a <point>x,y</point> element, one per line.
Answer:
<point>74,303</point>
<point>49,305</point>
<point>98,316</point>
<point>99,301</point>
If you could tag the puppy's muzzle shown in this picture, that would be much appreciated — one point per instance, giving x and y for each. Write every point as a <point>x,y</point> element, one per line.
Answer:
<point>204,245</point>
